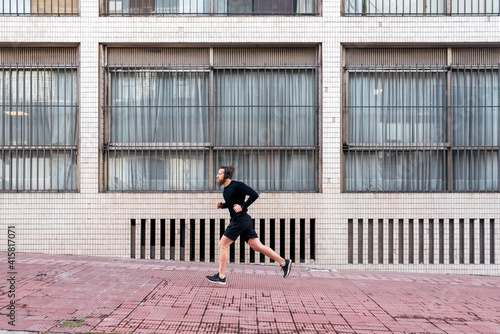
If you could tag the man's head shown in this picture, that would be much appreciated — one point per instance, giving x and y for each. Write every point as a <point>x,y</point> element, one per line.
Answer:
<point>225,173</point>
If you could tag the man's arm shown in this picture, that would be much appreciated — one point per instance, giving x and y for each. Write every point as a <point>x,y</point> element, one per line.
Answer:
<point>252,195</point>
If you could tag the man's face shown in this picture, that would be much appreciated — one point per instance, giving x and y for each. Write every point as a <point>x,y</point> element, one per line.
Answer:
<point>220,177</point>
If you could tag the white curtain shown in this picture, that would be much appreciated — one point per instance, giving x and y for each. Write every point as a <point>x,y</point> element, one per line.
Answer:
<point>182,6</point>
<point>275,7</point>
<point>272,170</point>
<point>38,170</point>
<point>167,111</point>
<point>273,109</point>
<point>398,131</point>
<point>306,6</point>
<point>15,6</point>
<point>475,124</point>
<point>159,6</point>
<point>395,7</point>
<point>265,6</point>
<point>475,7</point>
<point>137,170</point>
<point>476,171</point>
<point>388,110</point>
<point>397,107</point>
<point>38,108</point>
<point>396,171</point>
<point>148,107</point>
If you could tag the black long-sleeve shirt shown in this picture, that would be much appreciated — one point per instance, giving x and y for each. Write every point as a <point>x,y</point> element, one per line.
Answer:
<point>235,193</point>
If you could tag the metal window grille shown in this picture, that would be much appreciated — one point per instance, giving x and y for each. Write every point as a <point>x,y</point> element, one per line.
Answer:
<point>168,126</point>
<point>422,128</point>
<point>38,119</point>
<point>39,7</point>
<point>421,7</point>
<point>210,7</point>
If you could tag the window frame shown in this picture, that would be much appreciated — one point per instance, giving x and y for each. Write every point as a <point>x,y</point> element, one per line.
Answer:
<point>210,147</point>
<point>40,7</point>
<point>447,10</point>
<point>34,60</point>
<point>448,146</point>
<point>212,11</point>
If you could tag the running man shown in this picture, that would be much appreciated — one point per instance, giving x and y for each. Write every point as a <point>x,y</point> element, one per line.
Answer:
<point>234,194</point>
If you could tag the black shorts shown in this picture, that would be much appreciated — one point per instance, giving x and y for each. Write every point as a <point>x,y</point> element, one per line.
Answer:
<point>241,225</point>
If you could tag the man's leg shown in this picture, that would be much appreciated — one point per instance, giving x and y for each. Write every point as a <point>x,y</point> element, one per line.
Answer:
<point>267,251</point>
<point>224,244</point>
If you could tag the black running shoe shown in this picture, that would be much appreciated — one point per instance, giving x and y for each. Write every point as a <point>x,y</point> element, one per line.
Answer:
<point>216,279</point>
<point>287,268</point>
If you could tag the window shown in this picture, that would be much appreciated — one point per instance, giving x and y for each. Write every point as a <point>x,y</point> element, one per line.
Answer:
<point>404,132</point>
<point>475,7</point>
<point>158,7</point>
<point>38,120</point>
<point>421,7</point>
<point>39,7</point>
<point>170,126</point>
<point>210,7</point>
<point>475,122</point>
<point>265,7</point>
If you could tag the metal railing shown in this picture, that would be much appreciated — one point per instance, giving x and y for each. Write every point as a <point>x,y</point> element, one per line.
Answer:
<point>210,7</point>
<point>39,7</point>
<point>420,7</point>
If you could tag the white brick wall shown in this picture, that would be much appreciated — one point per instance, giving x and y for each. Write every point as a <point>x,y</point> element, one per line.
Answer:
<point>94,223</point>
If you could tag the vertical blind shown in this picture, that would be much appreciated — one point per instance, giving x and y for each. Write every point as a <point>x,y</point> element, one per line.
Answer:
<point>171,126</point>
<point>404,133</point>
<point>38,120</point>
<point>214,7</point>
<point>421,7</point>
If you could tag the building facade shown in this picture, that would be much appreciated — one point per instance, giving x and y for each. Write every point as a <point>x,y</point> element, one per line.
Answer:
<point>370,129</point>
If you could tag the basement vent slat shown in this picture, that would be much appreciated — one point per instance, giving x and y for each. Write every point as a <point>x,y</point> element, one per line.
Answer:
<point>197,240</point>
<point>422,241</point>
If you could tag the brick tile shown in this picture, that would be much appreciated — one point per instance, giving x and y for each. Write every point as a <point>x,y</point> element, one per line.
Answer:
<point>342,301</point>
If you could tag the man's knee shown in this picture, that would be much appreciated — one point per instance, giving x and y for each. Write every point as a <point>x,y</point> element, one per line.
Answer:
<point>255,244</point>
<point>224,244</point>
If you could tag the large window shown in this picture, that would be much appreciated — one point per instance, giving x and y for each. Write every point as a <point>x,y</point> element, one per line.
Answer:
<point>38,119</point>
<point>39,7</point>
<point>421,7</point>
<point>168,127</point>
<point>426,127</point>
<point>210,7</point>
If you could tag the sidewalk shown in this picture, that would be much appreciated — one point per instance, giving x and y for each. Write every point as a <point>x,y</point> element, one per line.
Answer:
<point>76,294</point>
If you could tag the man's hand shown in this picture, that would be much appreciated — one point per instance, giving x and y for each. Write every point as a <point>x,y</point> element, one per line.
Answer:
<point>237,208</point>
<point>219,205</point>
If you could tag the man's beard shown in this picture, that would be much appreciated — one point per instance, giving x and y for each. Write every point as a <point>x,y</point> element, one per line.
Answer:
<point>220,182</point>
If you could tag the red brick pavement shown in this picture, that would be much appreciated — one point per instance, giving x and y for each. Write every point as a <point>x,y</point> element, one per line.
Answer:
<point>153,296</point>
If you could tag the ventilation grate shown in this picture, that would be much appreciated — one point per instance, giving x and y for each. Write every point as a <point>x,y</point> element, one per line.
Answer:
<point>421,241</point>
<point>197,240</point>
